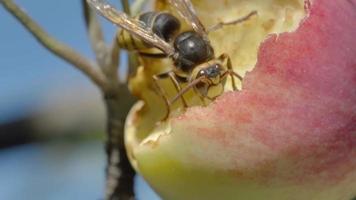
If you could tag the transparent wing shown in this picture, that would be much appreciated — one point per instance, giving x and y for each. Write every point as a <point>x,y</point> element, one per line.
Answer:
<point>186,10</point>
<point>131,25</point>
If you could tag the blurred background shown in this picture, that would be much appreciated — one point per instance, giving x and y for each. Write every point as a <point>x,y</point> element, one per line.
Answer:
<point>51,116</point>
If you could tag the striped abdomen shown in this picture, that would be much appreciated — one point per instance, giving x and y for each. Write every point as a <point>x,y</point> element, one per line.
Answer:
<point>162,24</point>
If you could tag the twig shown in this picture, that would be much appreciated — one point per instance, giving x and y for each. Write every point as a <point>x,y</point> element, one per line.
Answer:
<point>61,50</point>
<point>107,58</point>
<point>114,57</point>
<point>126,6</point>
<point>137,6</point>
<point>95,33</point>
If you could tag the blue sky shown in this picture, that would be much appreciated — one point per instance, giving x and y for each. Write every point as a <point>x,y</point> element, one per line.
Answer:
<point>27,69</point>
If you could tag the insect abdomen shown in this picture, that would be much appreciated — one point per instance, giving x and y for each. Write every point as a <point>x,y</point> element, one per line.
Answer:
<point>127,41</point>
<point>162,24</point>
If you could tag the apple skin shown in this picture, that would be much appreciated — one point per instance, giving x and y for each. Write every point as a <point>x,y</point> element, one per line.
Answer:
<point>290,133</point>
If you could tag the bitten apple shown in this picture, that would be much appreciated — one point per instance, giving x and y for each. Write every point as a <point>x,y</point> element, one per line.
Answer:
<point>289,133</point>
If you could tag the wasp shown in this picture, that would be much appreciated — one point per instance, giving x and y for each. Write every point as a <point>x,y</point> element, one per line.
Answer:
<point>195,63</point>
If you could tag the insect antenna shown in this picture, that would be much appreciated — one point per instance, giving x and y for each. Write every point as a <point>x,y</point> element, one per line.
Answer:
<point>185,89</point>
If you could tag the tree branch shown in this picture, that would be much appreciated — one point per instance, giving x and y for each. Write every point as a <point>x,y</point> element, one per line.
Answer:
<point>107,57</point>
<point>136,7</point>
<point>95,33</point>
<point>119,172</point>
<point>61,50</point>
<point>126,7</point>
<point>114,58</point>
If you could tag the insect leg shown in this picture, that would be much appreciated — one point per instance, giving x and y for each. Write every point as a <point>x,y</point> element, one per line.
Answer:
<point>201,96</point>
<point>230,70</point>
<point>177,86</point>
<point>186,89</point>
<point>229,67</point>
<point>231,73</point>
<point>161,92</point>
<point>234,22</point>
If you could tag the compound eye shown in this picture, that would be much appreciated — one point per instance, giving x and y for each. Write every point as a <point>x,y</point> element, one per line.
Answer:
<point>201,72</point>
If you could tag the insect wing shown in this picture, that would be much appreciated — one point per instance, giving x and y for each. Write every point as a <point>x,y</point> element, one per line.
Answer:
<point>186,10</point>
<point>131,25</point>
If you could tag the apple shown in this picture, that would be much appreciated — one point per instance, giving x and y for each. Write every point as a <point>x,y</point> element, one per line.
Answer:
<point>288,133</point>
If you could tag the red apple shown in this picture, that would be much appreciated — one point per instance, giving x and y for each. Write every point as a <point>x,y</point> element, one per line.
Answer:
<point>290,133</point>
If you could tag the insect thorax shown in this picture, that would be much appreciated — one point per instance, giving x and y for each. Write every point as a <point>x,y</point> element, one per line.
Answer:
<point>192,50</point>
